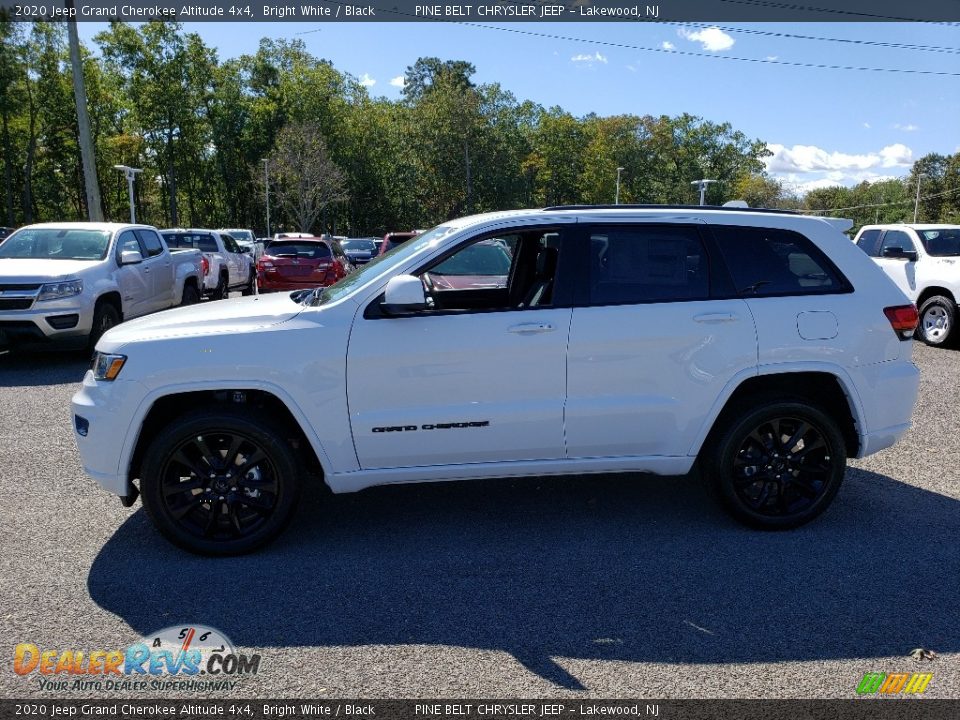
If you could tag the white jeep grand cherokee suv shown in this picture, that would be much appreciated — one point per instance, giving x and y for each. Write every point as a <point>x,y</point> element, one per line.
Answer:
<point>613,339</point>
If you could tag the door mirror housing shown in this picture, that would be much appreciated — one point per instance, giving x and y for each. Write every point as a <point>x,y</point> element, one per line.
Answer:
<point>130,257</point>
<point>899,253</point>
<point>403,296</point>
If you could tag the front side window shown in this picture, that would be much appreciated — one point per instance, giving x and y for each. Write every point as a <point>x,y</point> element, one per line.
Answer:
<point>771,261</point>
<point>647,263</point>
<point>896,239</point>
<point>128,242</point>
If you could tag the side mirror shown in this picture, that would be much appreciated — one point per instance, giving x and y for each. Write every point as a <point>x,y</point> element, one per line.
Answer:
<point>130,257</point>
<point>403,296</point>
<point>899,253</point>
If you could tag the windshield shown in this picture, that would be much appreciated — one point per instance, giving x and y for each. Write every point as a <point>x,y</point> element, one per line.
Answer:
<point>380,265</point>
<point>941,242</point>
<point>56,244</point>
<point>358,244</point>
<point>244,236</point>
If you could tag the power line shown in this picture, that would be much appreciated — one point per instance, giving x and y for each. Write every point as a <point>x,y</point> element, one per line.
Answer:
<point>888,204</point>
<point>690,53</point>
<point>793,36</point>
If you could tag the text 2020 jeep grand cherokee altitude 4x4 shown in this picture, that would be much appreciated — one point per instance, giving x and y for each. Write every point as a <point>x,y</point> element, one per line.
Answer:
<point>766,345</point>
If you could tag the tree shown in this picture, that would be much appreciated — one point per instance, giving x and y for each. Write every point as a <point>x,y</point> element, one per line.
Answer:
<point>306,180</point>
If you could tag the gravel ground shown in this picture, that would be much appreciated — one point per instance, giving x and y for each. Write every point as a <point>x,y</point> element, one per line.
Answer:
<point>620,586</point>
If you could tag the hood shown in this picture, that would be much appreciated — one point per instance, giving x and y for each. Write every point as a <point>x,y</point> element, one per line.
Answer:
<point>209,318</point>
<point>41,270</point>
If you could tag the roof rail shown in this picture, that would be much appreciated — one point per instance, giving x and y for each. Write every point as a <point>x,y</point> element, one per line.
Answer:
<point>672,207</point>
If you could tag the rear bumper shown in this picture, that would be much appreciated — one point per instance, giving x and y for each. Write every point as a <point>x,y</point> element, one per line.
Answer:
<point>888,392</point>
<point>266,283</point>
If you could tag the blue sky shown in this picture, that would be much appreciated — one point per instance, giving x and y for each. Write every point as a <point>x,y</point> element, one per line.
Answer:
<point>825,126</point>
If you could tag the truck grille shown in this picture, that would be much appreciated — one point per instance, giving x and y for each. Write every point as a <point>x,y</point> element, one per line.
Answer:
<point>23,287</point>
<point>16,304</point>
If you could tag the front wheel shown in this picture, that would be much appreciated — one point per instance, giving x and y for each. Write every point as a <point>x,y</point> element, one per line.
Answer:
<point>220,482</point>
<point>937,321</point>
<point>221,292</point>
<point>105,316</point>
<point>777,465</point>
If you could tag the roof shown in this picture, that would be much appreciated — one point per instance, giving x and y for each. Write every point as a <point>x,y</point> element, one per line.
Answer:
<point>912,226</point>
<point>106,226</point>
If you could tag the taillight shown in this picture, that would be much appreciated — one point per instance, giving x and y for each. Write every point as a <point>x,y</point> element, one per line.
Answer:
<point>334,272</point>
<point>903,319</point>
<point>205,265</point>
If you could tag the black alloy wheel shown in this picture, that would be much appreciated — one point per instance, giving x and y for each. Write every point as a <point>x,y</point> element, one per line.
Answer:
<point>220,482</point>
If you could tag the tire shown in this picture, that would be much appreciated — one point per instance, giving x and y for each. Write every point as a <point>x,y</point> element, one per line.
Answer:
<point>190,295</point>
<point>938,316</point>
<point>105,316</point>
<point>250,287</point>
<point>215,515</point>
<point>762,481</point>
<point>222,291</point>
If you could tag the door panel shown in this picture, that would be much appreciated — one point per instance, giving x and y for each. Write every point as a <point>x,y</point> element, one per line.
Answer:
<point>134,283</point>
<point>459,388</point>
<point>644,377</point>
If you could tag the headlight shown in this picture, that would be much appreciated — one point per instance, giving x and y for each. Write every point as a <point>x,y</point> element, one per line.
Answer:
<point>57,290</point>
<point>106,366</point>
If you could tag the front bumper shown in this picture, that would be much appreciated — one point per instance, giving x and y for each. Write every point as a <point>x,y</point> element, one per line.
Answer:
<point>51,322</point>
<point>100,414</point>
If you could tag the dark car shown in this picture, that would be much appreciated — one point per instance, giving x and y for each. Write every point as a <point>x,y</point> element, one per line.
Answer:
<point>298,263</point>
<point>361,250</point>
<point>391,240</point>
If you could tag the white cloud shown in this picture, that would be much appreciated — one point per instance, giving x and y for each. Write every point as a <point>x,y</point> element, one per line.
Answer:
<point>808,167</point>
<point>866,125</point>
<point>589,59</point>
<point>667,45</point>
<point>399,81</point>
<point>771,58</point>
<point>367,81</point>
<point>910,127</point>
<point>631,68</point>
<point>713,38</point>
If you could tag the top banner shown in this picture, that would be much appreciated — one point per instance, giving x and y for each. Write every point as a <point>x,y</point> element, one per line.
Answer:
<point>485,11</point>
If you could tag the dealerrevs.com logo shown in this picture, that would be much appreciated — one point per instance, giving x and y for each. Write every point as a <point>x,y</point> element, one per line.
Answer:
<point>181,657</point>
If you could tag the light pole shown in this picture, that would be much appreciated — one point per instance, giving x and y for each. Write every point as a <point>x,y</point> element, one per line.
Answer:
<point>702,185</point>
<point>131,173</point>
<point>266,194</point>
<point>916,203</point>
<point>616,200</point>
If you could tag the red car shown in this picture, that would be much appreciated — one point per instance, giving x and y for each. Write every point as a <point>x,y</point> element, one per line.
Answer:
<point>391,240</point>
<point>298,263</point>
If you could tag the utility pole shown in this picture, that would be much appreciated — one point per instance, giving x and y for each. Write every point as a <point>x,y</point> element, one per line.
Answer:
<point>92,188</point>
<point>916,203</point>
<point>266,194</point>
<point>616,200</point>
<point>702,185</point>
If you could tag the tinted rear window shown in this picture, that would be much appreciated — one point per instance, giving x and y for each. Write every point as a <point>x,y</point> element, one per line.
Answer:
<point>311,250</point>
<point>768,261</point>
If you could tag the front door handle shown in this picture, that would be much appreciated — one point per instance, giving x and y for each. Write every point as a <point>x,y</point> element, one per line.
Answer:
<point>531,328</point>
<point>714,318</point>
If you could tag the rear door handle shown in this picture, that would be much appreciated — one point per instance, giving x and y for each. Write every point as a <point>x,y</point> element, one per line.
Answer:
<point>714,318</point>
<point>531,328</point>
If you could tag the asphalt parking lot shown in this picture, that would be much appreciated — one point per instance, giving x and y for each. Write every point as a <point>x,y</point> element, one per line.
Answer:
<point>619,586</point>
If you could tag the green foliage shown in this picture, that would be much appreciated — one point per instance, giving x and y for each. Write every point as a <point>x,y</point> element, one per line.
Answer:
<point>201,127</point>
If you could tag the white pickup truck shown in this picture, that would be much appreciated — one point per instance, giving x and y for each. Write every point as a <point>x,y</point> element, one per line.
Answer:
<point>68,283</point>
<point>924,262</point>
<point>227,266</point>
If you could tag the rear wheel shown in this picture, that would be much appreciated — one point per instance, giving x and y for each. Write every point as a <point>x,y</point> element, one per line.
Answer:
<point>937,321</point>
<point>220,482</point>
<point>778,464</point>
<point>190,295</point>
